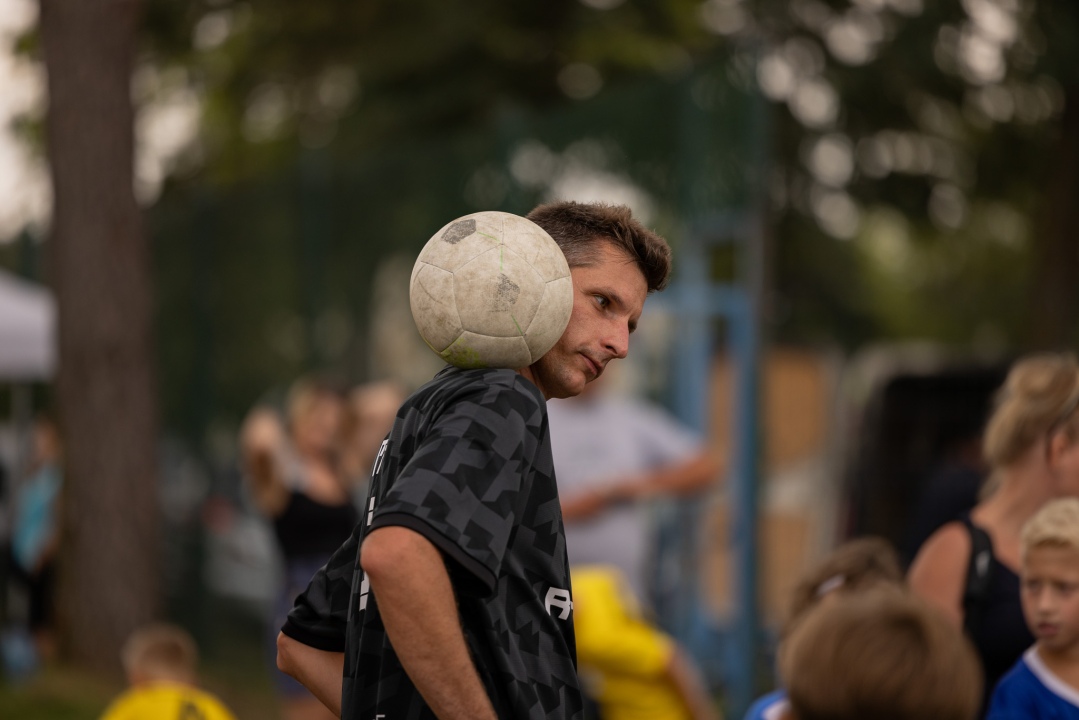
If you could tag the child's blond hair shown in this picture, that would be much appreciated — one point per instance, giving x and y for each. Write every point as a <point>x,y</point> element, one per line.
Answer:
<point>1056,524</point>
<point>160,652</point>
<point>883,654</point>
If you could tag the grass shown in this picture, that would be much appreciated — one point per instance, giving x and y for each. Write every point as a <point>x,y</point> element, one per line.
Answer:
<point>234,667</point>
<point>56,694</point>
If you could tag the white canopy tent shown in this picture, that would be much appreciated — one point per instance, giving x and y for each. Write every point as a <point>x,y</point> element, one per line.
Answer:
<point>27,330</point>
<point>27,355</point>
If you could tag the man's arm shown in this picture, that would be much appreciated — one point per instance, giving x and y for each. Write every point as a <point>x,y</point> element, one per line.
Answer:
<point>320,671</point>
<point>684,478</point>
<point>415,598</point>
<point>681,478</point>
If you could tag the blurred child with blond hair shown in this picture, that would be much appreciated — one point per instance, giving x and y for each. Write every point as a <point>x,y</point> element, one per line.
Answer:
<point>1045,681</point>
<point>160,662</point>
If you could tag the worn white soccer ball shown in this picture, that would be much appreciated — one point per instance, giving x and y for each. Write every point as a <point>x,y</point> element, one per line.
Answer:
<point>491,289</point>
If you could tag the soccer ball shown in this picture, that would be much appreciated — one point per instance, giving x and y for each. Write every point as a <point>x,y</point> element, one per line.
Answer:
<point>491,289</point>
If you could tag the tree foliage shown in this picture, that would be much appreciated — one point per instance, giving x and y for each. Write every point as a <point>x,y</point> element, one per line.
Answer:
<point>933,145</point>
<point>924,154</point>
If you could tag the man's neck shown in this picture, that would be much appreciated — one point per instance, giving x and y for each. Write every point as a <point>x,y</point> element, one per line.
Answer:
<point>526,373</point>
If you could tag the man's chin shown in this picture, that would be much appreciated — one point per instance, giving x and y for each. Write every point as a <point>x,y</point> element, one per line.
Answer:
<point>571,389</point>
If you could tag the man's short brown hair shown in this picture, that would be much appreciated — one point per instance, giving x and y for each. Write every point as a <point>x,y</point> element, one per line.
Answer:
<point>579,227</point>
<point>883,654</point>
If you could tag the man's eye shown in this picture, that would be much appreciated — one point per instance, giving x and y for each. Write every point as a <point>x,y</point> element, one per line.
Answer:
<point>601,301</point>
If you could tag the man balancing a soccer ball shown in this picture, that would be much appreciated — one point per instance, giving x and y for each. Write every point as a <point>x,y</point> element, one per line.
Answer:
<point>452,597</point>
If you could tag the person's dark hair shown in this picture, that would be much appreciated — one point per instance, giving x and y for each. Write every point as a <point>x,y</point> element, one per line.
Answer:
<point>579,227</point>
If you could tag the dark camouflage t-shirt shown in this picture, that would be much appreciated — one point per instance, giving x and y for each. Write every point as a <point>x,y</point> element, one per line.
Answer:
<point>467,465</point>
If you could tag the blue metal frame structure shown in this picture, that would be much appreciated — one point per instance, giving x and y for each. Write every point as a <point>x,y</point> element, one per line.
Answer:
<point>727,649</point>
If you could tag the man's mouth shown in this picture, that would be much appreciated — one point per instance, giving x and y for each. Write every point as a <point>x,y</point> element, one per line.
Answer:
<point>595,367</point>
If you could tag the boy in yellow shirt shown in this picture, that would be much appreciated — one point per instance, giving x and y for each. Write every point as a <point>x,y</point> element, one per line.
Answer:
<point>160,662</point>
<point>632,670</point>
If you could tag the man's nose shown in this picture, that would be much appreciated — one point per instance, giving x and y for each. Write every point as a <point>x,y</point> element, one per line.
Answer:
<point>617,340</point>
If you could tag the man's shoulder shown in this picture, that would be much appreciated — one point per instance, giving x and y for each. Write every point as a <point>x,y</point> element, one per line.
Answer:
<point>487,386</point>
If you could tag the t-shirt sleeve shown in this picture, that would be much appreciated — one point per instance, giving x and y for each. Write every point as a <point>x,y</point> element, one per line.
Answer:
<point>463,485</point>
<point>320,614</point>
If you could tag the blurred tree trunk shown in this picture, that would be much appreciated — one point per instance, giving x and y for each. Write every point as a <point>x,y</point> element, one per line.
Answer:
<point>99,268</point>
<point>1055,288</point>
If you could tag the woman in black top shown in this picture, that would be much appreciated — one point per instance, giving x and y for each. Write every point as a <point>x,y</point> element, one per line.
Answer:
<point>1031,444</point>
<point>293,475</point>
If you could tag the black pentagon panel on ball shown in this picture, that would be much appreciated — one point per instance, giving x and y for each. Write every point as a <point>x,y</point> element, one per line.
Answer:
<point>459,230</point>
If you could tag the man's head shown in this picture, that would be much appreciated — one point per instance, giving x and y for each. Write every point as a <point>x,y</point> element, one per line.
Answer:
<point>615,262</point>
<point>160,652</point>
<point>1050,575</point>
<point>885,655</point>
<point>580,229</point>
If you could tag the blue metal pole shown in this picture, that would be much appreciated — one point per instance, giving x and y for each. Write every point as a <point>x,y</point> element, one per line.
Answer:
<point>744,509</point>
<point>745,505</point>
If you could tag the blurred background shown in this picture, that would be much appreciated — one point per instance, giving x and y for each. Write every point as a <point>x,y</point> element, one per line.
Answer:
<point>872,205</point>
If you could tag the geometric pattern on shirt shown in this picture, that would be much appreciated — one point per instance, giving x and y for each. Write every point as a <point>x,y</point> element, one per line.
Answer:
<point>468,465</point>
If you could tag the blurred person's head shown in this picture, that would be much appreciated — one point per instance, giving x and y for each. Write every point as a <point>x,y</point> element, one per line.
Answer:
<point>262,430</point>
<point>883,654</point>
<point>1049,588</point>
<point>372,408</point>
<point>1035,422</point>
<point>46,439</point>
<point>160,652</point>
<point>315,409</point>
<point>853,567</point>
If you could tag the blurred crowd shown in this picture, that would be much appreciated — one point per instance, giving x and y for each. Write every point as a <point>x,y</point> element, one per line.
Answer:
<point>983,623</point>
<point>306,467</point>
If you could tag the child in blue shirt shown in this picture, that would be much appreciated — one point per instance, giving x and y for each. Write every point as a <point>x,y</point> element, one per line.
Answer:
<point>1044,684</point>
